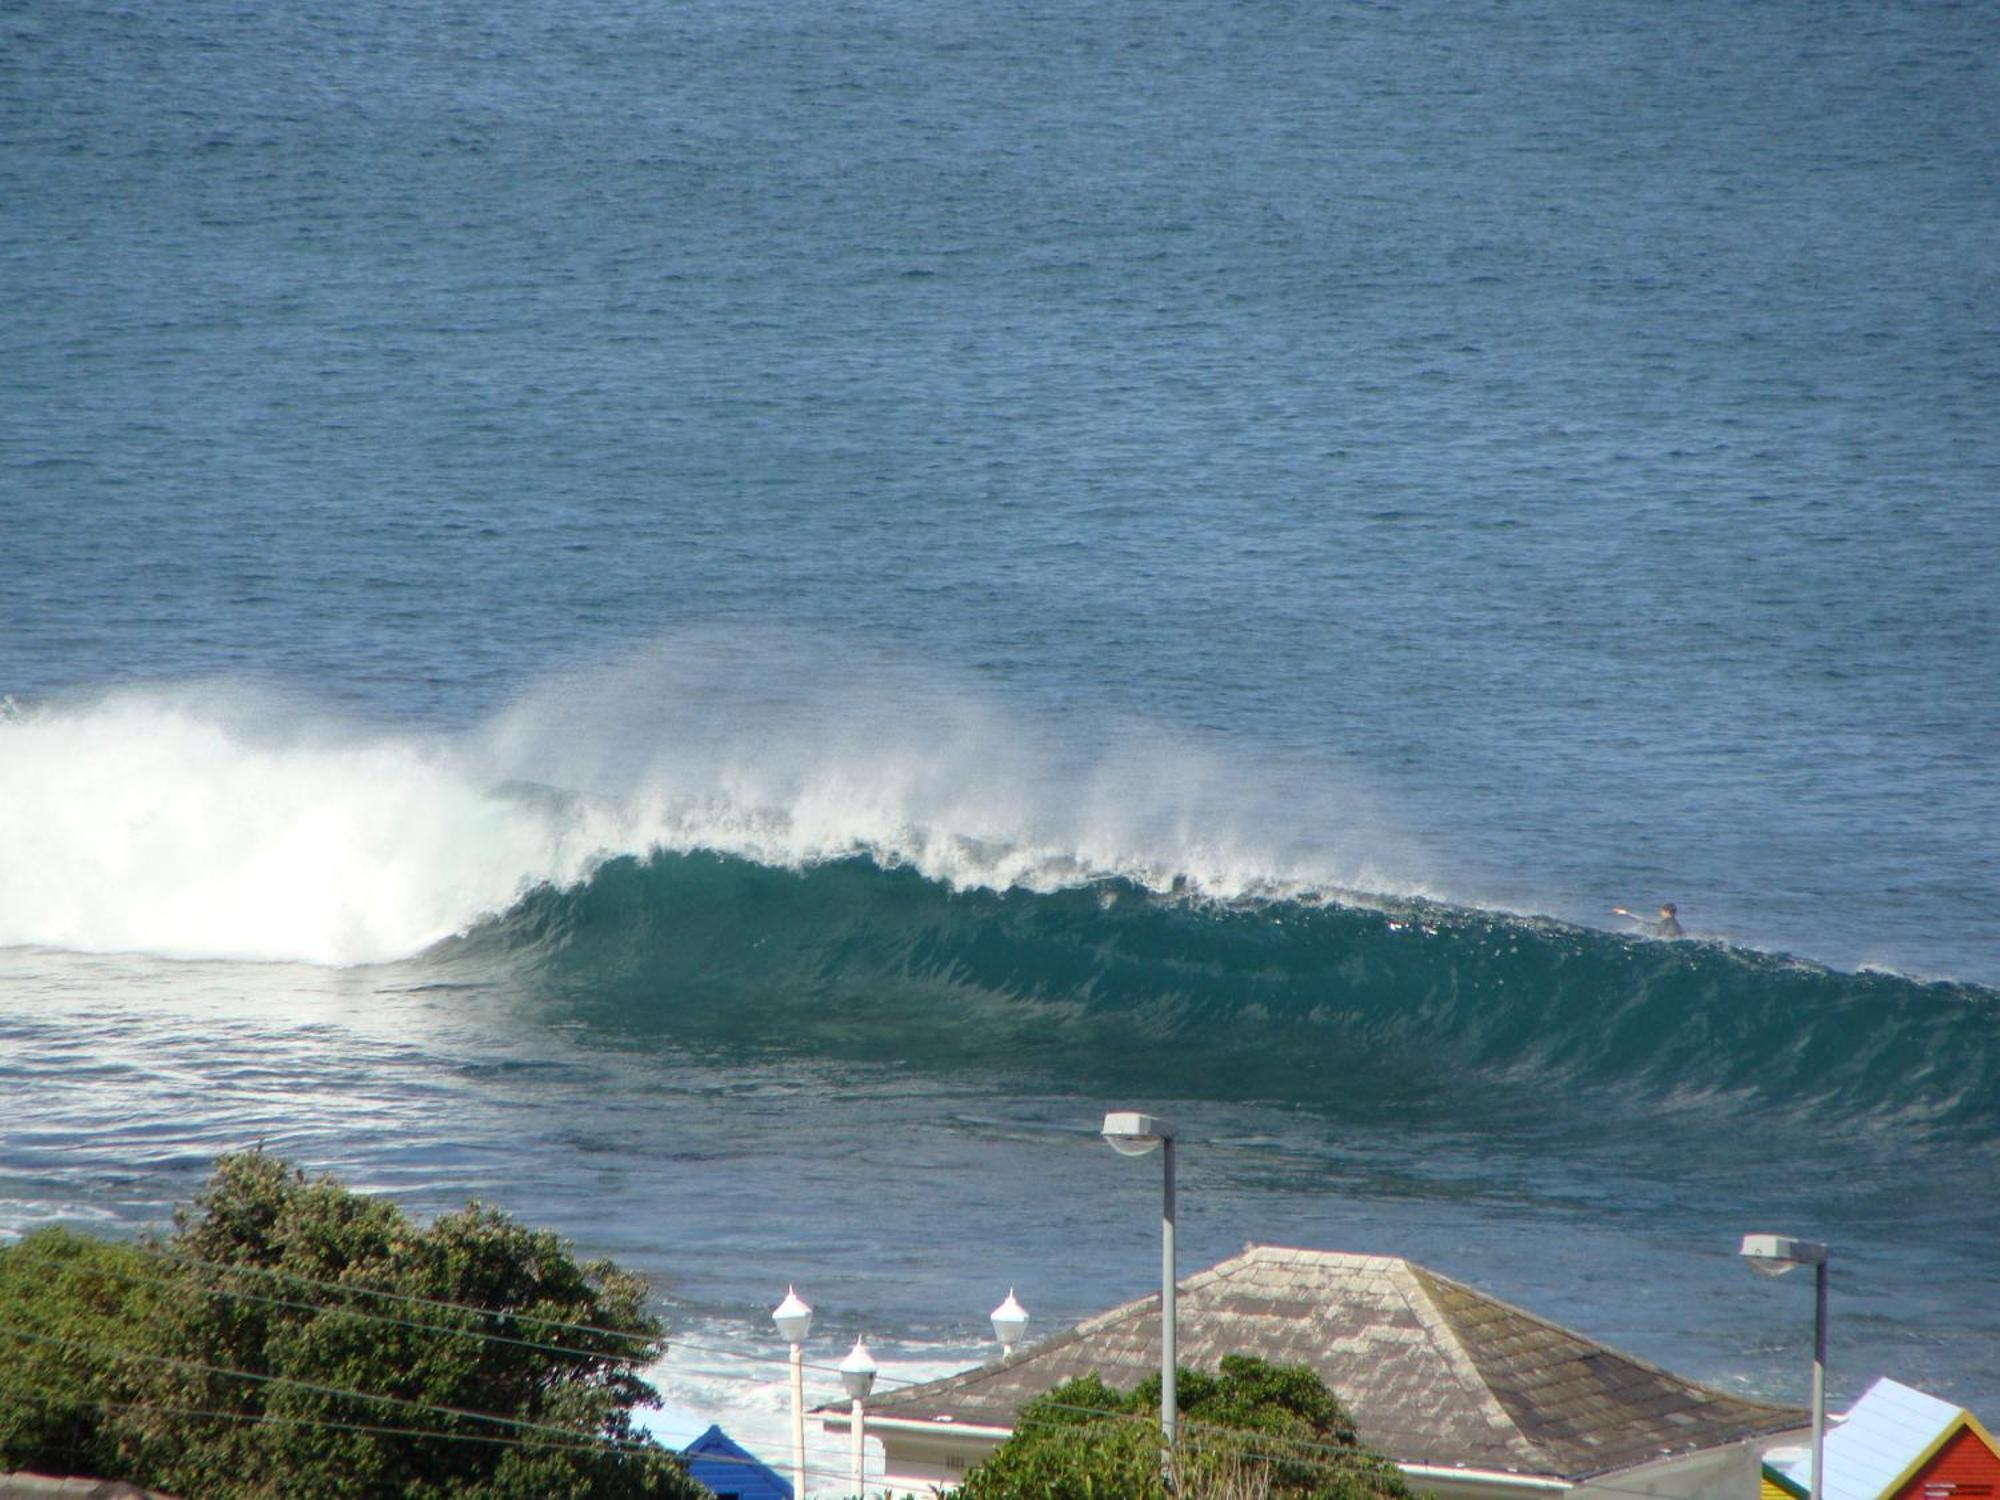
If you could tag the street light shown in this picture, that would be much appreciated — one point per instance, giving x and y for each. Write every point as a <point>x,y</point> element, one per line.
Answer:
<point>857,1373</point>
<point>794,1319</point>
<point>1134,1134</point>
<point>1009,1319</point>
<point>1774,1255</point>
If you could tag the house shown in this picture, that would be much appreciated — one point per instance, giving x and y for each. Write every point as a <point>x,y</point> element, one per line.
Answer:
<point>1895,1444</point>
<point>732,1471</point>
<point>1474,1399</point>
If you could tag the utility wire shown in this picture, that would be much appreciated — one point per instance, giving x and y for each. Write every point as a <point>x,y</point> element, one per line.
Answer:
<point>324,1308</point>
<point>448,1330</point>
<point>1337,1455</point>
<point>494,1439</point>
<point>574,1438</point>
<point>363,1289</point>
<point>583,1445</point>
<point>115,1352</point>
<point>1310,1453</point>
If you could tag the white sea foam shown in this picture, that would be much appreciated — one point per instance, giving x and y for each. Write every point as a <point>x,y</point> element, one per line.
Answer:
<point>155,823</point>
<point>218,824</point>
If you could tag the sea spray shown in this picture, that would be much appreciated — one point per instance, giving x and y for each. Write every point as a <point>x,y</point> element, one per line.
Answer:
<point>215,821</point>
<point>788,750</point>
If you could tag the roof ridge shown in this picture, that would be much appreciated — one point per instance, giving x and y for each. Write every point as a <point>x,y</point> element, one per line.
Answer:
<point>1222,1270</point>
<point>1585,1339</point>
<point>1412,1280</point>
<point>1300,1254</point>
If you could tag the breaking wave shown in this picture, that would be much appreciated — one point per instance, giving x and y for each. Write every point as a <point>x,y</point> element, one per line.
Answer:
<point>1352,1007</point>
<point>940,890</point>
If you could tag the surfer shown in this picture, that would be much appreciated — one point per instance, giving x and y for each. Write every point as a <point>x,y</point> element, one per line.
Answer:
<point>1667,926</point>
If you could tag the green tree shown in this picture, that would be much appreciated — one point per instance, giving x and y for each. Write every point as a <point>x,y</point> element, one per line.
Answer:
<point>1250,1431</point>
<point>68,1303</point>
<point>224,1362</point>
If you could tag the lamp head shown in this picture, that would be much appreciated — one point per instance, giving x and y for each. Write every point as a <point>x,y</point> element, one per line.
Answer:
<point>1133,1134</point>
<point>1009,1320</point>
<point>1775,1254</point>
<point>793,1317</point>
<point>857,1371</point>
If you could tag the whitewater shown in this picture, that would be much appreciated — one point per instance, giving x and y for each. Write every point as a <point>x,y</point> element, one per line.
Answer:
<point>218,821</point>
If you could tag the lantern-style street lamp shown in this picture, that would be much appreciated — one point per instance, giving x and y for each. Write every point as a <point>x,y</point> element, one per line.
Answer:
<point>857,1373</point>
<point>1010,1319</point>
<point>794,1319</point>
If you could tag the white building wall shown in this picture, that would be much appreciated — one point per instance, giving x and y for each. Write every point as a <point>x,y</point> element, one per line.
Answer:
<point>1712,1474</point>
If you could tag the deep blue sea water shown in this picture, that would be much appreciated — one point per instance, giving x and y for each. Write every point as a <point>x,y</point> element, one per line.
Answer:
<point>719,624</point>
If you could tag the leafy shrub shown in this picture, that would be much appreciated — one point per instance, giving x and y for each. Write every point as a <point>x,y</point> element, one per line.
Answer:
<point>1251,1431</point>
<point>226,1361</point>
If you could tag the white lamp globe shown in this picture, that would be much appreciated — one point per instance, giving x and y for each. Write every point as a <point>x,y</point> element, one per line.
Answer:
<point>1009,1320</point>
<point>857,1371</point>
<point>793,1317</point>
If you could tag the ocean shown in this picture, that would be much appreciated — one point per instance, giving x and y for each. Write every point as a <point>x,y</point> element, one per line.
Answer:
<point>720,624</point>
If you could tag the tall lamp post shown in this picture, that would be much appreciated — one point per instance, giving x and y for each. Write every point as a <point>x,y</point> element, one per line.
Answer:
<point>1134,1134</point>
<point>794,1318</point>
<point>857,1373</point>
<point>1774,1255</point>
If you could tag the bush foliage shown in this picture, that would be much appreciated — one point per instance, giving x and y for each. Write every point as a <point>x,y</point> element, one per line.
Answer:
<point>226,1360</point>
<point>1252,1431</point>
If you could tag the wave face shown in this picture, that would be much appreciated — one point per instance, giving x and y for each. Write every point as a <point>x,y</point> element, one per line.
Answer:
<point>1341,1007</point>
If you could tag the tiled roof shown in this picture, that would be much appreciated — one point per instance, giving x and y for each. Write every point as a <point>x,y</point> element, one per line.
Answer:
<point>1432,1371</point>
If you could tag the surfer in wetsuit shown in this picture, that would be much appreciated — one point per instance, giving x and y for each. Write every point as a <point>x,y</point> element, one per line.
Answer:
<point>1668,925</point>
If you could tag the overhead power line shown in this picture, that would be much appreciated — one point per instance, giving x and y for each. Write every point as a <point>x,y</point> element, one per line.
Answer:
<point>350,1288</point>
<point>345,1288</point>
<point>827,1470</point>
<point>1251,1446</point>
<point>113,1351</point>
<point>445,1329</point>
